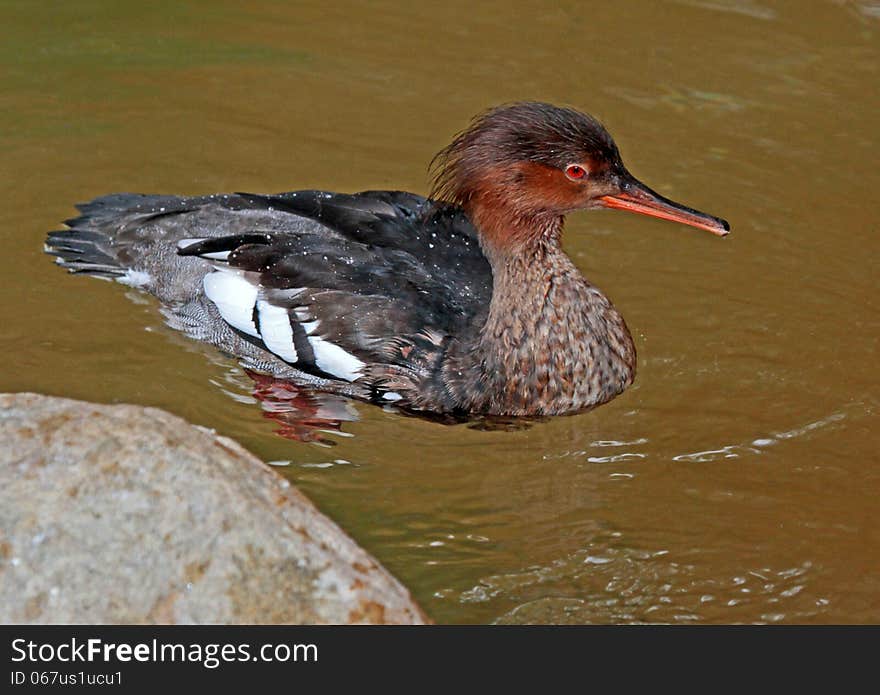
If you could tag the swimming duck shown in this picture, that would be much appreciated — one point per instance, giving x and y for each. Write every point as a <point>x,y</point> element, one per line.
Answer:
<point>460,303</point>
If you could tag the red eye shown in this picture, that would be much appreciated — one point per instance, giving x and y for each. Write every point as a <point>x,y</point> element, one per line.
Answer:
<point>575,171</point>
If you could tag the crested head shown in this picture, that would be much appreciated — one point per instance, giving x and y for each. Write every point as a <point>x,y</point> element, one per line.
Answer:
<point>520,148</point>
<point>518,169</point>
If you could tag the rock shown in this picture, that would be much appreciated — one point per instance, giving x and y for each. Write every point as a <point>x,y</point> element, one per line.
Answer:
<point>124,514</point>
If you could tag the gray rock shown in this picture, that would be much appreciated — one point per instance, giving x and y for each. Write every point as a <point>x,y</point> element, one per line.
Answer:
<point>124,514</point>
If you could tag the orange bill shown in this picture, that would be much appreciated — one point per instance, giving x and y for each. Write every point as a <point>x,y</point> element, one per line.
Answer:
<point>636,197</point>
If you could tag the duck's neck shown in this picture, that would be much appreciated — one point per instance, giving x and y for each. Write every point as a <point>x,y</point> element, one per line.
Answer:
<point>552,342</point>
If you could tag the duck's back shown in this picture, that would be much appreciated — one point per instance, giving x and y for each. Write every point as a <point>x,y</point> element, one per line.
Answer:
<point>358,294</point>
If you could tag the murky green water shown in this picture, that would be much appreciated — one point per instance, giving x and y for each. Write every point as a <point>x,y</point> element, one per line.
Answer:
<point>736,481</point>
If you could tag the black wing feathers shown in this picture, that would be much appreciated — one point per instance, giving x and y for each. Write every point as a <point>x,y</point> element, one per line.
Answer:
<point>223,243</point>
<point>374,289</point>
<point>424,262</point>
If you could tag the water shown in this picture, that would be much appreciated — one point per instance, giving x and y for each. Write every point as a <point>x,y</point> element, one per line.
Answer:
<point>736,481</point>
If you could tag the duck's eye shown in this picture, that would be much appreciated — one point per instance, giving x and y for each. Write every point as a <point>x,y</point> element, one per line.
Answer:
<point>575,171</point>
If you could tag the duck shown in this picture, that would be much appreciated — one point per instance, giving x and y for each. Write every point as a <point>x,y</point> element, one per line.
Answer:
<point>462,302</point>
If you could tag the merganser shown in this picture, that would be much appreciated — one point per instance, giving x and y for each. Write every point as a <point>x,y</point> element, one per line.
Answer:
<point>460,303</point>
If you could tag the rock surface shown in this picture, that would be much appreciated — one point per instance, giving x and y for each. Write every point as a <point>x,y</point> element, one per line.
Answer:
<point>124,514</point>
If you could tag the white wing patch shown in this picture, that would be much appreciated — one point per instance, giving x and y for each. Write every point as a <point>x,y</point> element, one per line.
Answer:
<point>331,358</point>
<point>275,330</point>
<point>334,360</point>
<point>213,255</point>
<point>234,298</point>
<point>183,243</point>
<point>310,327</point>
<point>216,255</point>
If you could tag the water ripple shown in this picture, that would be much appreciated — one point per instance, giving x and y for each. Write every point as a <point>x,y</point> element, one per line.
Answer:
<point>757,445</point>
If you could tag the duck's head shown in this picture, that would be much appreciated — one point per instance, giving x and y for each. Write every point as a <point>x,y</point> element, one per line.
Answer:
<point>526,165</point>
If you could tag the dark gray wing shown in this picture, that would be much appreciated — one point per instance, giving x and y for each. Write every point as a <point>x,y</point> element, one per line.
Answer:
<point>383,273</point>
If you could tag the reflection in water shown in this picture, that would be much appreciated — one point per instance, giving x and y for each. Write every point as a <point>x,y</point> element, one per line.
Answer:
<point>304,415</point>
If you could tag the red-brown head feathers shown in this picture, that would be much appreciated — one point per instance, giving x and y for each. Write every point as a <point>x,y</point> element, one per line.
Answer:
<point>535,157</point>
<point>518,169</point>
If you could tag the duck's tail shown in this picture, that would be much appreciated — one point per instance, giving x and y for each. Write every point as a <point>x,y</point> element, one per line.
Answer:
<point>88,245</point>
<point>121,237</point>
<point>83,252</point>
